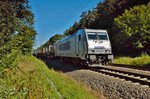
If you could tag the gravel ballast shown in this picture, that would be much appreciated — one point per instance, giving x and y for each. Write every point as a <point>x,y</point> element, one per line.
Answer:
<point>111,87</point>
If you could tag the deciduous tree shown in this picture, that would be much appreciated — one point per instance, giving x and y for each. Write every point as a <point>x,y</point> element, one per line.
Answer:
<point>134,29</point>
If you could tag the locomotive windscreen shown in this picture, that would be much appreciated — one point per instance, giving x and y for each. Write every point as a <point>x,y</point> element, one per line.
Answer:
<point>97,36</point>
<point>92,36</point>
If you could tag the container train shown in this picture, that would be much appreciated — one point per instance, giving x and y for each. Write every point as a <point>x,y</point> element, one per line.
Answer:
<point>86,46</point>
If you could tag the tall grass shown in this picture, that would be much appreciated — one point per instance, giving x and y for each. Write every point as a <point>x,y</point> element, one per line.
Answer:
<point>31,79</point>
<point>143,60</point>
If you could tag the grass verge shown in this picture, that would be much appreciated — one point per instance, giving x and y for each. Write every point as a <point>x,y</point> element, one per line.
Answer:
<point>31,79</point>
<point>143,60</point>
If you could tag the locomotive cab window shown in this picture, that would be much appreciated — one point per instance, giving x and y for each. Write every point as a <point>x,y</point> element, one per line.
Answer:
<point>102,36</point>
<point>92,36</point>
<point>97,36</point>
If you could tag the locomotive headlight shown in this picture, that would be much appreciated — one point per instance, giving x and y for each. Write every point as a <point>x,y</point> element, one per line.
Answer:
<point>91,50</point>
<point>107,50</point>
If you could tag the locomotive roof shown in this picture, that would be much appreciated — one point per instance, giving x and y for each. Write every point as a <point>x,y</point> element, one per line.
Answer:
<point>94,30</point>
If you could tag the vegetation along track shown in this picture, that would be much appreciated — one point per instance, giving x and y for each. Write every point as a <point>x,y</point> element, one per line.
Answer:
<point>127,75</point>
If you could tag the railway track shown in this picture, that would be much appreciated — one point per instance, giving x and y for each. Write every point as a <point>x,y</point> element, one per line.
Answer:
<point>127,75</point>
<point>141,79</point>
<point>131,67</point>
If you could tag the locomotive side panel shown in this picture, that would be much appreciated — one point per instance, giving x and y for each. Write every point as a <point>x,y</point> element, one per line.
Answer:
<point>74,46</point>
<point>66,47</point>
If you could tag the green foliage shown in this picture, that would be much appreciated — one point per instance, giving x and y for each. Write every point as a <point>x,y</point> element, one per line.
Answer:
<point>24,40</point>
<point>53,39</point>
<point>134,28</point>
<point>33,80</point>
<point>143,60</point>
<point>73,29</point>
<point>16,30</point>
<point>26,81</point>
<point>10,59</point>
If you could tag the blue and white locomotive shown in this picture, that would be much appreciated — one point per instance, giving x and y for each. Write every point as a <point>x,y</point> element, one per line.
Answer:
<point>87,46</point>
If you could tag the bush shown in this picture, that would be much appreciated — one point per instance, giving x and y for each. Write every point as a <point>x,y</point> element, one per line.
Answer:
<point>143,60</point>
<point>10,59</point>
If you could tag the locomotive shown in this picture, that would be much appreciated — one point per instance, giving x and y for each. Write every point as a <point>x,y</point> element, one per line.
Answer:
<point>86,46</point>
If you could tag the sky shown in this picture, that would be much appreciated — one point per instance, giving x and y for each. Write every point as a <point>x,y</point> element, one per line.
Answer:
<point>55,16</point>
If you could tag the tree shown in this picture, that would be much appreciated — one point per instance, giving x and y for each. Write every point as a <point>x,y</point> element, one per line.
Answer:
<point>88,18</point>
<point>24,40</point>
<point>55,38</point>
<point>16,30</point>
<point>134,29</point>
